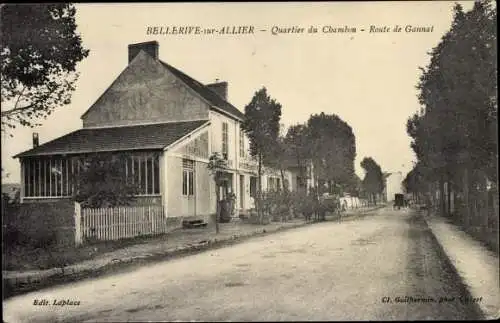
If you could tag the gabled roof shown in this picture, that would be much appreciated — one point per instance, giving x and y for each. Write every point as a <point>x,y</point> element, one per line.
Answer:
<point>210,96</point>
<point>205,92</point>
<point>141,137</point>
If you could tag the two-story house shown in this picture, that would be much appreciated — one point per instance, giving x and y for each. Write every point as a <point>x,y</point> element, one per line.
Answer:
<point>168,124</point>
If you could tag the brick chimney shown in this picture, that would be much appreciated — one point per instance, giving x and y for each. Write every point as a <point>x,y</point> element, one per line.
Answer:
<point>150,47</point>
<point>220,88</point>
<point>36,141</point>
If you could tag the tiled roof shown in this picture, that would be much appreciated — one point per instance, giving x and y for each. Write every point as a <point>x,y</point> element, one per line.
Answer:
<point>205,92</point>
<point>87,140</point>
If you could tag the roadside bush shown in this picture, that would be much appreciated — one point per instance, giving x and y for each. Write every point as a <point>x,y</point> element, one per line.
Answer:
<point>276,205</point>
<point>330,205</point>
<point>303,204</point>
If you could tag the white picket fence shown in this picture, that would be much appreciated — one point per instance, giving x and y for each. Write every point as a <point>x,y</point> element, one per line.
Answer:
<point>105,224</point>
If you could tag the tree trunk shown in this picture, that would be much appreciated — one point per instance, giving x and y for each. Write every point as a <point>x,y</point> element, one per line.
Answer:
<point>442,196</point>
<point>484,197</point>
<point>259,194</point>
<point>466,215</point>
<point>301,171</point>
<point>217,208</point>
<point>448,200</point>
<point>285,190</point>
<point>283,179</point>
<point>494,201</point>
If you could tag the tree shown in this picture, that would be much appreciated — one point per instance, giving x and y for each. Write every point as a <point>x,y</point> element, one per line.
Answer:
<point>262,126</point>
<point>455,134</point>
<point>297,143</point>
<point>278,158</point>
<point>354,186</point>
<point>39,51</point>
<point>101,181</point>
<point>217,167</point>
<point>333,150</point>
<point>458,91</point>
<point>414,182</point>
<point>373,183</point>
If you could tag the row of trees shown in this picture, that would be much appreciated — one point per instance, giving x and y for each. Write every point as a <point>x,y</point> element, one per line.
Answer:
<point>454,136</point>
<point>325,140</point>
<point>329,143</point>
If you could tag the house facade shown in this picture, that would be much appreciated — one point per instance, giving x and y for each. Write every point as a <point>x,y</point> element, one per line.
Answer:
<point>167,124</point>
<point>393,185</point>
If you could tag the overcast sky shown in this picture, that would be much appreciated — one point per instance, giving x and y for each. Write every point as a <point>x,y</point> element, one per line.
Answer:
<point>367,79</point>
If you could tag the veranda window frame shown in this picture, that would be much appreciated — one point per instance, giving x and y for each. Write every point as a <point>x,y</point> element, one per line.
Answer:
<point>53,183</point>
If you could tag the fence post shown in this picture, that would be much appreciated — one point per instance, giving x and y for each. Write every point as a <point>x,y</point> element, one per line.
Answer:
<point>78,224</point>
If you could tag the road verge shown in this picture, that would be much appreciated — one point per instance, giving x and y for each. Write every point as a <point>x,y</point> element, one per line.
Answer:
<point>476,266</point>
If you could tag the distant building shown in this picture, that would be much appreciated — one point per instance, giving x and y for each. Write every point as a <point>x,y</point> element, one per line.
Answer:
<point>393,185</point>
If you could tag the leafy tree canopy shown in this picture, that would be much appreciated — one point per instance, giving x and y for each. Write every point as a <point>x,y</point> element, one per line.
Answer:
<point>333,146</point>
<point>373,183</point>
<point>458,92</point>
<point>262,117</point>
<point>39,51</point>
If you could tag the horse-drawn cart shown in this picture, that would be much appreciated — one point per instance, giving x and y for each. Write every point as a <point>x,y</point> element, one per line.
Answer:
<point>399,201</point>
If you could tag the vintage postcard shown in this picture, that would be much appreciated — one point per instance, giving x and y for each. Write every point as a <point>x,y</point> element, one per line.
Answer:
<point>251,161</point>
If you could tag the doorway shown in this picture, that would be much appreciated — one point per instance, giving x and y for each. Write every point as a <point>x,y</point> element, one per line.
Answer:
<point>188,188</point>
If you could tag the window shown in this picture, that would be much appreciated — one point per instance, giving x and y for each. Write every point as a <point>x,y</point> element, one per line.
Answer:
<point>144,170</point>
<point>191,183</point>
<point>225,139</point>
<point>55,176</point>
<point>187,177</point>
<point>155,183</point>
<point>242,143</point>
<point>48,177</point>
<point>253,186</point>
<point>273,184</point>
<point>184,182</point>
